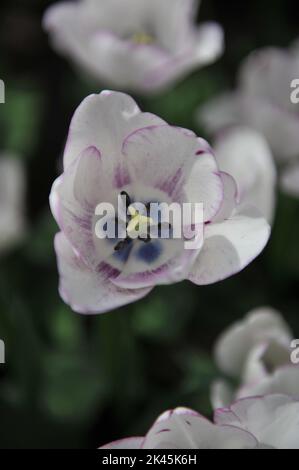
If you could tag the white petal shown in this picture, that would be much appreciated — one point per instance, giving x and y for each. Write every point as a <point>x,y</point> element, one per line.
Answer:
<point>175,161</point>
<point>174,20</point>
<point>290,180</point>
<point>210,43</point>
<point>220,112</point>
<point>128,443</point>
<point>258,327</point>
<point>272,419</point>
<point>262,101</point>
<point>171,266</point>
<point>245,154</point>
<point>278,125</point>
<point>85,290</point>
<point>124,65</point>
<point>81,188</point>
<point>221,394</point>
<point>104,121</point>
<point>230,197</point>
<point>265,79</point>
<point>267,73</point>
<point>284,380</point>
<point>266,357</point>
<point>195,48</point>
<point>229,246</point>
<point>255,369</point>
<point>54,198</point>
<point>185,429</point>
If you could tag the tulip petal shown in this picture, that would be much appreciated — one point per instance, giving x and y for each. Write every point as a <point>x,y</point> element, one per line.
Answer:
<point>54,198</point>
<point>82,187</point>
<point>230,246</point>
<point>112,55</point>
<point>220,112</point>
<point>258,328</point>
<point>104,121</point>
<point>230,197</point>
<point>272,419</point>
<point>284,380</point>
<point>221,394</point>
<point>265,79</point>
<point>86,290</point>
<point>184,429</point>
<point>290,179</point>
<point>173,265</point>
<point>128,443</point>
<point>210,43</point>
<point>245,155</point>
<point>176,162</point>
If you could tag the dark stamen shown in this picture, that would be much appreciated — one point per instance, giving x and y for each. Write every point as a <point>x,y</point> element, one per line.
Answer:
<point>122,244</point>
<point>128,199</point>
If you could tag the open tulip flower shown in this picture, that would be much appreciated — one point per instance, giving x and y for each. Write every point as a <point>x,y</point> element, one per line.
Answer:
<point>257,352</point>
<point>268,422</point>
<point>137,45</point>
<point>183,428</point>
<point>266,100</point>
<point>114,149</point>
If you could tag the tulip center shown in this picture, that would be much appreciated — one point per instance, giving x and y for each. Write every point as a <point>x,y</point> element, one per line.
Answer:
<point>138,222</point>
<point>137,226</point>
<point>142,38</point>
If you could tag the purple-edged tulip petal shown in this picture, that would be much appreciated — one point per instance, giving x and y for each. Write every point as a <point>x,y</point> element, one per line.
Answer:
<point>185,429</point>
<point>79,191</point>
<point>12,195</point>
<point>290,179</point>
<point>179,163</point>
<point>245,155</point>
<point>104,121</point>
<point>86,290</point>
<point>150,47</point>
<point>259,327</point>
<point>230,246</point>
<point>273,419</point>
<point>128,443</point>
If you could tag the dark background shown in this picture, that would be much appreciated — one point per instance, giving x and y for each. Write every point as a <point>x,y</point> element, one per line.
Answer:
<point>77,382</point>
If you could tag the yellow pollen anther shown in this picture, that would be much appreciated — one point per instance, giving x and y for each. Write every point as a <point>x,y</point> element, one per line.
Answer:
<point>138,223</point>
<point>142,38</point>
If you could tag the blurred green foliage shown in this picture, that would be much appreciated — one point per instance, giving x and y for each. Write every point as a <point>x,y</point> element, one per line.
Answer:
<point>75,381</point>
